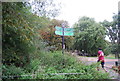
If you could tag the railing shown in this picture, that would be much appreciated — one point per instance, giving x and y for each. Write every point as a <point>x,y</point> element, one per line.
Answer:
<point>34,75</point>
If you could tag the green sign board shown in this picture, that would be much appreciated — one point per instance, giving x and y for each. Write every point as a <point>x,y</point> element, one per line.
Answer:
<point>67,31</point>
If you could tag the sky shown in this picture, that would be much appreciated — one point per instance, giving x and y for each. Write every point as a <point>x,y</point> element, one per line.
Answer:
<point>100,10</point>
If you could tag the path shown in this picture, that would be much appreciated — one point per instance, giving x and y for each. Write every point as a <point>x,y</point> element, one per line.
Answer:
<point>108,65</point>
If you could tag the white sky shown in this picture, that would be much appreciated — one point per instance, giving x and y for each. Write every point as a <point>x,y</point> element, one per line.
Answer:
<point>100,10</point>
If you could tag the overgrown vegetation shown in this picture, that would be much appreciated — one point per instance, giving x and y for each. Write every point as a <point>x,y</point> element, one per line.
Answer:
<point>50,63</point>
<point>58,63</point>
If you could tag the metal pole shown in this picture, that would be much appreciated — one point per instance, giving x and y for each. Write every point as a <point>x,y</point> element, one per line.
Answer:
<point>63,43</point>
<point>63,38</point>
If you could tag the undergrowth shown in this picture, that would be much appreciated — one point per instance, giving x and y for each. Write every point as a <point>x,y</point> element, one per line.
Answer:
<point>49,63</point>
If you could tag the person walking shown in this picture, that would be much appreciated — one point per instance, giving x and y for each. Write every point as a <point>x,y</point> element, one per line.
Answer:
<point>101,59</point>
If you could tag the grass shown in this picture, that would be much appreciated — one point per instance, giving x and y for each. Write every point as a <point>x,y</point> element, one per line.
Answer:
<point>111,56</point>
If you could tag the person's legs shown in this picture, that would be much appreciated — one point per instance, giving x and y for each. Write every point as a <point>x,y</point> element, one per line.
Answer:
<point>102,64</point>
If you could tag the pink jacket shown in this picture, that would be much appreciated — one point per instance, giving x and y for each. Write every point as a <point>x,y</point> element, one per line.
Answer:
<point>100,55</point>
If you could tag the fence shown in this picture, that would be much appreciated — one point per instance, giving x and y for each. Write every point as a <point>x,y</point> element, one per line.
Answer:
<point>34,75</point>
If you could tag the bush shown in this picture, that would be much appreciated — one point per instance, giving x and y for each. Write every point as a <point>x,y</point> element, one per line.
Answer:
<point>56,62</point>
<point>33,66</point>
<point>11,71</point>
<point>50,63</point>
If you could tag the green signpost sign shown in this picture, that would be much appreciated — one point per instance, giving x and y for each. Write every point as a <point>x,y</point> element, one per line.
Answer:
<point>67,31</point>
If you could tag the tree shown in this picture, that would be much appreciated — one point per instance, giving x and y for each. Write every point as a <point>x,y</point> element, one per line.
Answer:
<point>21,40</point>
<point>16,35</point>
<point>112,32</point>
<point>48,8</point>
<point>119,33</point>
<point>89,36</point>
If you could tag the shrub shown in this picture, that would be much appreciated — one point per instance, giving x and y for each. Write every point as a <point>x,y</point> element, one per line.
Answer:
<point>53,63</point>
<point>33,66</point>
<point>11,71</point>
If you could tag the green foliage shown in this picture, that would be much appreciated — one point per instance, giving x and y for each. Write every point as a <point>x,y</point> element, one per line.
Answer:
<point>89,36</point>
<point>12,70</point>
<point>50,63</point>
<point>21,41</point>
<point>33,66</point>
<point>20,28</point>
<point>17,35</point>
<point>113,32</point>
<point>58,63</point>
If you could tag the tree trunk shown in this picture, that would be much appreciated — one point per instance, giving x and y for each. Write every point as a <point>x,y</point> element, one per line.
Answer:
<point>118,30</point>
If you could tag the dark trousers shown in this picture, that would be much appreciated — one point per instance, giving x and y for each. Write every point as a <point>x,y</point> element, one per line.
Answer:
<point>102,63</point>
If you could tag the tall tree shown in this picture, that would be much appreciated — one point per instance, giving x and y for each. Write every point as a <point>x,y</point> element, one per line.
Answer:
<point>89,36</point>
<point>119,33</point>
<point>16,34</point>
<point>113,32</point>
<point>20,33</point>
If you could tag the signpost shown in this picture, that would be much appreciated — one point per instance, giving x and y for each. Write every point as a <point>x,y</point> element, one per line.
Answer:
<point>64,32</point>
